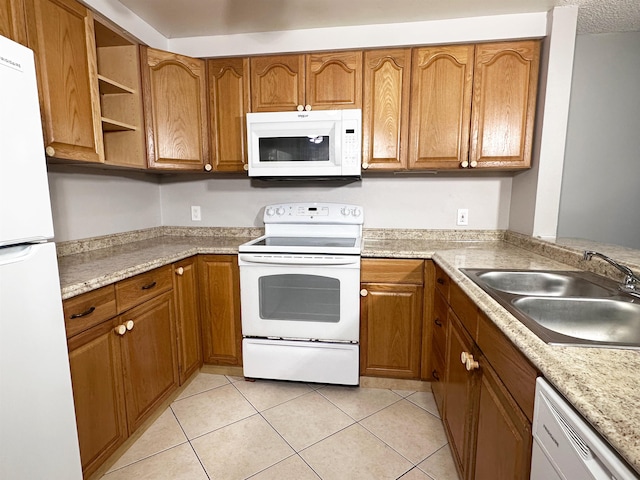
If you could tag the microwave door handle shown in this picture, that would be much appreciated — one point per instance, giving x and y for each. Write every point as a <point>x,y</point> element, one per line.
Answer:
<point>299,260</point>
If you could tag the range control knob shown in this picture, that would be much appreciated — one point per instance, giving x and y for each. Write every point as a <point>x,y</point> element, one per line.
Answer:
<point>270,211</point>
<point>356,212</point>
<point>345,211</point>
<point>279,211</point>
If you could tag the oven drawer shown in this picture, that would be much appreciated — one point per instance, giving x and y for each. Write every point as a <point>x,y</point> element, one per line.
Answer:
<point>335,363</point>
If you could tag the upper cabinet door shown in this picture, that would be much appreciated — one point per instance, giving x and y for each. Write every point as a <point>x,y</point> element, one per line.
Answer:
<point>12,21</point>
<point>441,85</point>
<point>334,80</point>
<point>61,33</point>
<point>504,98</point>
<point>174,92</point>
<point>228,104</point>
<point>385,109</point>
<point>277,83</point>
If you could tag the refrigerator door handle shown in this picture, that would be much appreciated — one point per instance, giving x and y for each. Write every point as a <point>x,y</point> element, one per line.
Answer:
<point>16,254</point>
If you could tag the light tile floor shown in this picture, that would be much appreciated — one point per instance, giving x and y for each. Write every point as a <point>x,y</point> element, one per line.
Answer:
<point>222,427</point>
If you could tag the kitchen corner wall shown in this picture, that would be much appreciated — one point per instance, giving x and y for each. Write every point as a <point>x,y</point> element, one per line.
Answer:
<point>88,202</point>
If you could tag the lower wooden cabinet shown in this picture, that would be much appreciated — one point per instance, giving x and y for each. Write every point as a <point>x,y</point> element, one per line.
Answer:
<point>220,309</point>
<point>487,396</point>
<point>185,290</point>
<point>122,367</point>
<point>391,318</point>
<point>98,392</point>
<point>149,357</point>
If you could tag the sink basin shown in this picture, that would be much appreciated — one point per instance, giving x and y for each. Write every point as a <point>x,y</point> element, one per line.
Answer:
<point>541,283</point>
<point>605,320</point>
<point>565,307</point>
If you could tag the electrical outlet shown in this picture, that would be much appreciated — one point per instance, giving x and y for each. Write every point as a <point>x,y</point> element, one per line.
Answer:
<point>196,214</point>
<point>463,216</point>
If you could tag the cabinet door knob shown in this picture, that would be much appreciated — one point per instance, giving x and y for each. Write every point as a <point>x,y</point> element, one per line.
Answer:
<point>50,151</point>
<point>208,167</point>
<point>435,375</point>
<point>440,281</point>
<point>180,271</point>
<point>120,330</point>
<point>364,292</point>
<point>473,164</point>
<point>464,164</point>
<point>245,167</point>
<point>437,322</point>
<point>307,108</point>
<point>365,165</point>
<point>471,364</point>
<point>129,325</point>
<point>464,356</point>
<point>300,108</point>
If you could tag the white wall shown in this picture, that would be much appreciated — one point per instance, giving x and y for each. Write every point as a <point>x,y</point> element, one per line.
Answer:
<point>600,197</point>
<point>429,202</point>
<point>88,203</point>
<point>536,193</point>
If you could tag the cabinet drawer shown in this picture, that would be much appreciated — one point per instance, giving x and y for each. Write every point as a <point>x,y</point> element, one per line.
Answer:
<point>392,271</point>
<point>464,308</point>
<point>89,309</point>
<point>136,290</point>
<point>439,322</point>
<point>442,282</point>
<point>515,371</point>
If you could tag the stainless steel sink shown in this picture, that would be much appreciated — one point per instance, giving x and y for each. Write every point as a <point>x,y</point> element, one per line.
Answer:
<point>527,282</point>
<point>608,320</point>
<point>565,307</point>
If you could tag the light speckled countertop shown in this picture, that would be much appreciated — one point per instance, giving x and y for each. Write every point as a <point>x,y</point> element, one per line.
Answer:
<point>601,383</point>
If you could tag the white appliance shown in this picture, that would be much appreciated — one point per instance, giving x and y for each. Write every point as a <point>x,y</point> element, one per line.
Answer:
<point>38,437</point>
<point>323,143</point>
<point>565,446</point>
<point>300,294</point>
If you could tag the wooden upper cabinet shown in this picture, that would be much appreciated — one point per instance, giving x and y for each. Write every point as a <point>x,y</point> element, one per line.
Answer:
<point>441,86</point>
<point>61,33</point>
<point>504,98</point>
<point>174,92</point>
<point>385,109</point>
<point>334,80</point>
<point>277,83</point>
<point>12,21</point>
<point>229,101</point>
<point>321,80</point>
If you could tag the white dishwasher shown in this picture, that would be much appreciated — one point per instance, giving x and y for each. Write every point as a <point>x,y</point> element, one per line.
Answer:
<point>565,446</point>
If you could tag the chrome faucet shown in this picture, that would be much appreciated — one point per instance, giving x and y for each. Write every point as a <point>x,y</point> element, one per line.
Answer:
<point>631,282</point>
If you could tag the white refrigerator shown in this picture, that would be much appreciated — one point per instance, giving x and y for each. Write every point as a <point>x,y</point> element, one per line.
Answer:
<point>38,437</point>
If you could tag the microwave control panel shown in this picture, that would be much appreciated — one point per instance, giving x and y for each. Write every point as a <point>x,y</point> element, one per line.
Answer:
<point>351,141</point>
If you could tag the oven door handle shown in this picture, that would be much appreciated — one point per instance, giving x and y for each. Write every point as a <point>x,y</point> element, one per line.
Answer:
<point>300,259</point>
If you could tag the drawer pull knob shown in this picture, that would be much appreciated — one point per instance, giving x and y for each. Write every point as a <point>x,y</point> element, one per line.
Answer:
<point>83,314</point>
<point>435,375</point>
<point>149,286</point>
<point>437,322</point>
<point>121,330</point>
<point>180,271</point>
<point>440,281</point>
<point>129,325</point>
<point>364,292</point>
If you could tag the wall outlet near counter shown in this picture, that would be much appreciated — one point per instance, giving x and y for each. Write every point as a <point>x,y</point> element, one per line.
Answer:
<point>196,214</point>
<point>463,216</point>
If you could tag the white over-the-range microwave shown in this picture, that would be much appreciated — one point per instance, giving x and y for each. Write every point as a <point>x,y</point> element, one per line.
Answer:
<point>320,143</point>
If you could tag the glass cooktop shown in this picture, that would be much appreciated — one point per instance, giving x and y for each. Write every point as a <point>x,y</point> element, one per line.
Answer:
<point>305,242</point>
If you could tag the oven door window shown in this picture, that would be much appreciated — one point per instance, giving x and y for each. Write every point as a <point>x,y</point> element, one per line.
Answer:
<point>304,298</point>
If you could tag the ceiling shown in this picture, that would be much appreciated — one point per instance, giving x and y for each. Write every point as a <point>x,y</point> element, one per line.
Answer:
<point>193,18</point>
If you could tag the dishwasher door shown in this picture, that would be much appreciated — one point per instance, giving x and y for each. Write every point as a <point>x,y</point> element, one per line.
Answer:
<point>566,447</point>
